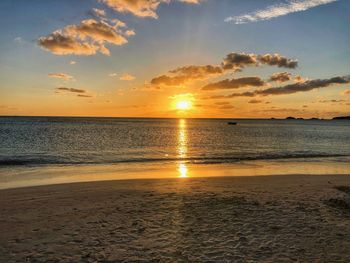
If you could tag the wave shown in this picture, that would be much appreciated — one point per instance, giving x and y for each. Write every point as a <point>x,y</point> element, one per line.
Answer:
<point>26,161</point>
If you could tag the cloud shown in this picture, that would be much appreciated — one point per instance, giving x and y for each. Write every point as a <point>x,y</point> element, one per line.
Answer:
<point>84,96</point>
<point>141,8</point>
<point>281,77</point>
<point>277,10</point>
<point>233,61</point>
<point>168,81</point>
<point>299,79</point>
<point>278,60</point>
<point>99,31</point>
<point>59,44</point>
<point>196,72</point>
<point>63,76</point>
<point>221,103</point>
<point>331,101</point>
<point>226,107</point>
<point>283,110</point>
<point>182,75</point>
<point>72,90</point>
<point>127,77</point>
<point>254,101</point>
<point>294,88</point>
<point>237,61</point>
<point>81,93</point>
<point>130,32</point>
<point>113,74</point>
<point>191,1</point>
<point>18,40</point>
<point>235,83</point>
<point>86,38</point>
<point>96,12</point>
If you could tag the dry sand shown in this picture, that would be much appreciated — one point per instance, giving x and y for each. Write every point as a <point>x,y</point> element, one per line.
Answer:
<point>294,218</point>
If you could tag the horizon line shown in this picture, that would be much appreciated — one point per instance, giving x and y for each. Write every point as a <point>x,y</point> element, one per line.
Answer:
<point>121,117</point>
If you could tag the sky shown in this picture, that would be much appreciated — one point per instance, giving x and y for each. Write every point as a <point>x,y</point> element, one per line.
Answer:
<point>175,58</point>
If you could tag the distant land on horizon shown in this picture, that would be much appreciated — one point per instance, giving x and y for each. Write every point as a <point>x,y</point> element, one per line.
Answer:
<point>111,117</point>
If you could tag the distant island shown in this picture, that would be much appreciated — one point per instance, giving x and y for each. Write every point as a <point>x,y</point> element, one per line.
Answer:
<point>312,119</point>
<point>316,119</point>
<point>342,118</point>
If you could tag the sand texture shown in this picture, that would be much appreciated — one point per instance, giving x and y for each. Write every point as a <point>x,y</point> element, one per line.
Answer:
<point>295,218</point>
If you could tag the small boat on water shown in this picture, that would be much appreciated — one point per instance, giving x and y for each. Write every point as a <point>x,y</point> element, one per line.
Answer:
<point>232,123</point>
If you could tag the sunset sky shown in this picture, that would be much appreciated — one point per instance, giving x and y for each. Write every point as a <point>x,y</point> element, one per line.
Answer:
<point>175,58</point>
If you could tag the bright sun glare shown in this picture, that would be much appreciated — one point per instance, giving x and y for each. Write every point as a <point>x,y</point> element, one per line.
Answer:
<point>183,105</point>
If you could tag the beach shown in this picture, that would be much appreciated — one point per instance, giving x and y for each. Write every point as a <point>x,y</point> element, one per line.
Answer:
<point>168,131</point>
<point>286,218</point>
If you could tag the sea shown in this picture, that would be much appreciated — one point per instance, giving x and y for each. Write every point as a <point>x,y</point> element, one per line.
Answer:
<point>44,150</point>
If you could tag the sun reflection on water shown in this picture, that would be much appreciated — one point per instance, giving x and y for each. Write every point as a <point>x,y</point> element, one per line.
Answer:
<point>182,148</point>
<point>183,170</point>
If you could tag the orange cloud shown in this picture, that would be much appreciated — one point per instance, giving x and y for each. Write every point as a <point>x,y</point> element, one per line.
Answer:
<point>141,8</point>
<point>59,44</point>
<point>86,38</point>
<point>232,62</point>
<point>186,74</point>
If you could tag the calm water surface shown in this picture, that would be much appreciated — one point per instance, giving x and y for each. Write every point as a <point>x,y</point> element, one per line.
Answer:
<point>34,142</point>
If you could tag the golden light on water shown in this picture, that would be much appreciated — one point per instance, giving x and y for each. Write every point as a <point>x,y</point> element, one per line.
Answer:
<point>182,148</point>
<point>183,170</point>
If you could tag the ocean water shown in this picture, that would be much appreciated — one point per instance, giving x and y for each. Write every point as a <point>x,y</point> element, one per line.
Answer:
<point>36,142</point>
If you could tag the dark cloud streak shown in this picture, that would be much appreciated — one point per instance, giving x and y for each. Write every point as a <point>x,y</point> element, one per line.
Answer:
<point>235,83</point>
<point>296,87</point>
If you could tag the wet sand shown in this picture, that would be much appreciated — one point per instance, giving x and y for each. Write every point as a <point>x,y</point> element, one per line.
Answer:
<point>289,218</point>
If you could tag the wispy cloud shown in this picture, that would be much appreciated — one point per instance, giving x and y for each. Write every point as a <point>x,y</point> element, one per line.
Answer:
<point>18,40</point>
<point>235,83</point>
<point>292,6</point>
<point>63,76</point>
<point>96,12</point>
<point>127,77</point>
<point>296,87</point>
<point>81,93</point>
<point>73,90</point>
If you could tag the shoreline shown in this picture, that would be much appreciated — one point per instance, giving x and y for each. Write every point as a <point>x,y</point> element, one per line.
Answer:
<point>140,180</point>
<point>257,218</point>
<point>24,176</point>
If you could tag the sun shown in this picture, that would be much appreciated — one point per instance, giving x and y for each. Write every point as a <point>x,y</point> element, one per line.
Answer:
<point>183,105</point>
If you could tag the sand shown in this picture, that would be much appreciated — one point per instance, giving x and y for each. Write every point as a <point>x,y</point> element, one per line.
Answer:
<point>294,218</point>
